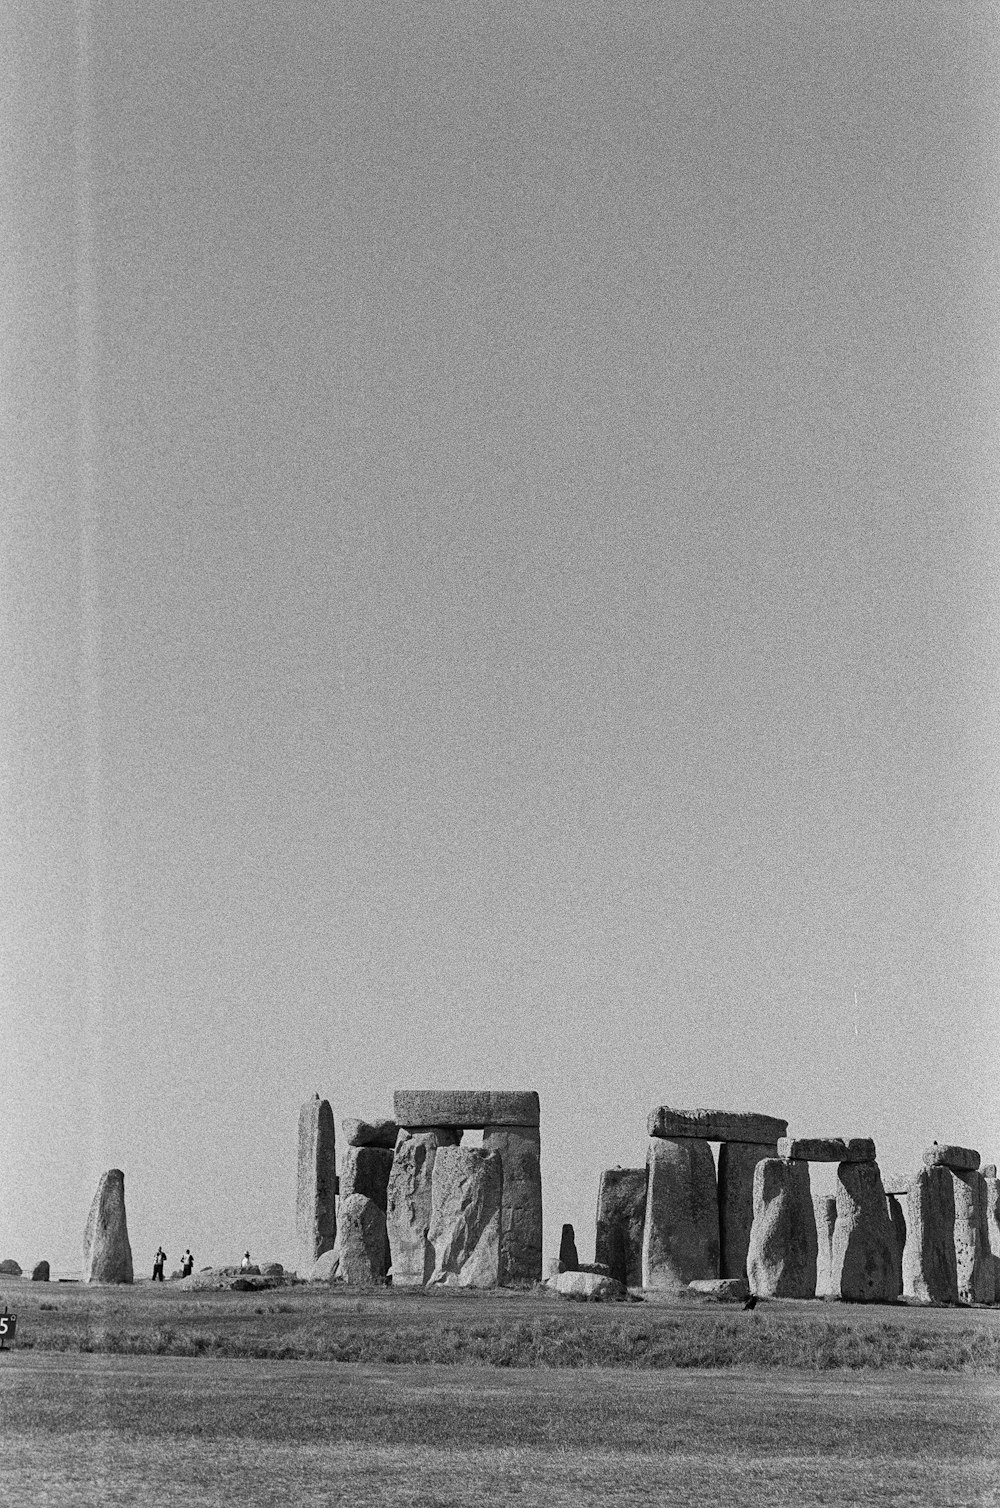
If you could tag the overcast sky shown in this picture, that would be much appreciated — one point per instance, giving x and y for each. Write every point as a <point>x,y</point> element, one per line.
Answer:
<point>499,585</point>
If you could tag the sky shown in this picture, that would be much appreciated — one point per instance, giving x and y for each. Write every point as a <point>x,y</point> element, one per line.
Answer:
<point>499,585</point>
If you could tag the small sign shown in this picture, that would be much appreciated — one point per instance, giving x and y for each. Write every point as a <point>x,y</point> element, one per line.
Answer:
<point>8,1328</point>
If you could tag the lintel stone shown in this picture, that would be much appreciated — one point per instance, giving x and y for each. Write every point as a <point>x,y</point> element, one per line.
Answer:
<point>715,1125</point>
<point>826,1149</point>
<point>897,1184</point>
<point>468,1109</point>
<point>959,1159</point>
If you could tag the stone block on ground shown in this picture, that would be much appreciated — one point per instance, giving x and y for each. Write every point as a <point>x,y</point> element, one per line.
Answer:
<point>519,1150</point>
<point>681,1234</point>
<point>723,1289</point>
<point>316,1202</point>
<point>973,1259</point>
<point>781,1261</point>
<point>715,1125</point>
<point>569,1257</point>
<point>464,1230</point>
<point>621,1217</point>
<point>864,1265</point>
<point>107,1254</point>
<point>930,1272</point>
<point>591,1286</point>
<point>826,1149</point>
<point>959,1159</point>
<point>362,1133</point>
<point>467,1109</point>
<point>40,1272</point>
<point>737,1162</point>
<point>408,1204</point>
<point>825,1210</point>
<point>361,1247</point>
<point>323,1269</point>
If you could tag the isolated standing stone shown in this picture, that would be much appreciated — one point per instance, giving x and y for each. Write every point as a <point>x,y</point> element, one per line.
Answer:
<point>973,1260</point>
<point>929,1268</point>
<point>681,1236</point>
<point>408,1207</point>
<point>621,1217</point>
<point>825,1210</point>
<point>897,1220</point>
<point>361,1247</point>
<point>864,1246</point>
<point>107,1255</point>
<point>737,1162</point>
<point>519,1148</point>
<point>781,1261</point>
<point>464,1230</point>
<point>40,1272</point>
<point>316,1201</point>
<point>569,1257</point>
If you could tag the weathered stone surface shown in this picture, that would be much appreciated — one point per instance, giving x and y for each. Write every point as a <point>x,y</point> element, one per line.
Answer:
<point>519,1148</point>
<point>464,1230</point>
<point>361,1133</point>
<point>365,1170</point>
<point>864,1247</point>
<point>681,1235</point>
<point>10,1269</point>
<point>930,1272</point>
<point>726,1290</point>
<point>737,1162</point>
<point>323,1269</point>
<point>897,1219</point>
<point>593,1286</point>
<point>40,1272</point>
<point>316,1202</point>
<point>988,1169</point>
<point>781,1261</point>
<point>825,1211</point>
<point>826,1149</point>
<point>361,1247</point>
<point>569,1257</point>
<point>107,1254</point>
<point>993,1228</point>
<point>468,1109</point>
<point>408,1206</point>
<point>973,1259</point>
<point>897,1184</point>
<point>621,1216</point>
<point>959,1159</point>
<point>715,1125</point>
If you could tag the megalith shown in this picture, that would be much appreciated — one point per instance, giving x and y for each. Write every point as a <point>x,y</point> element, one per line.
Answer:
<point>825,1211</point>
<point>464,1230</point>
<point>781,1261</point>
<point>681,1235</point>
<point>316,1201</point>
<point>621,1216</point>
<point>897,1220</point>
<point>992,1191</point>
<point>107,1255</point>
<point>40,1272</point>
<point>365,1170</point>
<point>569,1257</point>
<point>519,1150</point>
<point>408,1204</point>
<point>864,1245</point>
<point>374,1133</point>
<point>930,1271</point>
<point>361,1246</point>
<point>973,1259</point>
<point>737,1162</point>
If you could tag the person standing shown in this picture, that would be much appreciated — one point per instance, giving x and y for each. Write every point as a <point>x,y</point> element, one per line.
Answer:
<point>187,1264</point>
<point>244,1265</point>
<point>158,1262</point>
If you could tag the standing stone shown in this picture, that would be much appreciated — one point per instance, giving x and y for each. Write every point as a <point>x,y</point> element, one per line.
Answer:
<point>569,1257</point>
<point>521,1207</point>
<point>681,1236</point>
<point>361,1247</point>
<point>898,1222</point>
<point>107,1255</point>
<point>621,1218</point>
<point>930,1271</point>
<point>781,1261</point>
<point>408,1204</point>
<point>464,1230</point>
<point>825,1211</point>
<point>316,1202</point>
<point>40,1272</point>
<point>737,1161</point>
<point>973,1262</point>
<point>993,1228</point>
<point>365,1170</point>
<point>864,1246</point>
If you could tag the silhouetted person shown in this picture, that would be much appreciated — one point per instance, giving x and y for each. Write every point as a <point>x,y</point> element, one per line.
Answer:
<point>158,1262</point>
<point>245,1264</point>
<point>187,1264</point>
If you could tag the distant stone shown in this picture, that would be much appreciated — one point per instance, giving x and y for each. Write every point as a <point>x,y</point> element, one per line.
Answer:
<point>621,1218</point>
<point>464,1230</point>
<point>864,1246</point>
<point>323,1269</point>
<point>781,1261</point>
<point>973,1259</point>
<point>897,1184</point>
<point>591,1286</point>
<point>959,1159</point>
<point>519,1149</point>
<point>316,1203</point>
<point>10,1269</point>
<point>715,1125</point>
<point>467,1109</point>
<point>989,1170</point>
<point>272,1270</point>
<point>930,1272</point>
<point>681,1236</point>
<point>107,1255</point>
<point>737,1163</point>
<point>361,1242</point>
<point>569,1259</point>
<point>408,1207</point>
<point>826,1149</point>
<point>897,1219</point>
<point>726,1290</point>
<point>40,1272</point>
<point>825,1211</point>
<point>361,1133</point>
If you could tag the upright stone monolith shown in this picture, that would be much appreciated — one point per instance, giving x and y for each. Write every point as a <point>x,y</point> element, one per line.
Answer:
<point>464,1230</point>
<point>737,1162</point>
<point>621,1217</point>
<point>897,1219</point>
<point>519,1148</point>
<point>107,1254</point>
<point>316,1201</point>
<point>365,1170</point>
<point>781,1261</point>
<point>825,1210</point>
<point>973,1259</point>
<point>992,1190</point>
<point>569,1257</point>
<point>408,1206</point>
<point>361,1247</point>
<point>929,1268</point>
<point>864,1245</point>
<point>681,1235</point>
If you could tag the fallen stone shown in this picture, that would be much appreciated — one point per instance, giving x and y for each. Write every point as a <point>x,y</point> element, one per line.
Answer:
<point>464,1230</point>
<point>897,1184</point>
<point>40,1272</point>
<point>316,1203</point>
<point>681,1235</point>
<point>601,1268</point>
<point>930,1272</point>
<point>959,1159</point>
<point>726,1290</point>
<point>365,1170</point>
<point>569,1259</point>
<point>863,1268</point>
<point>973,1258</point>
<point>408,1204</point>
<point>272,1270</point>
<point>737,1162</point>
<point>519,1149</point>
<point>715,1125</point>
<point>897,1219</point>
<point>361,1133</point>
<point>826,1149</point>
<point>107,1254</point>
<point>781,1261</point>
<point>10,1269</point>
<point>467,1109</point>
<point>323,1269</point>
<point>621,1217</point>
<point>825,1211</point>
<point>361,1248</point>
<point>592,1286</point>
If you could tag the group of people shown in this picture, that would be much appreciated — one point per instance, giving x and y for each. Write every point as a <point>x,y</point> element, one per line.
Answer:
<point>187,1264</point>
